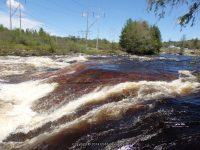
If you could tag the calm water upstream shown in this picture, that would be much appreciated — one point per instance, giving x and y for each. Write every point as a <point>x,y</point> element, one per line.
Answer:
<point>99,102</point>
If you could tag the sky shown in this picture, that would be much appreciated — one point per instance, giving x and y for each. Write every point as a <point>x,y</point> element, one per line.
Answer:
<point>106,17</point>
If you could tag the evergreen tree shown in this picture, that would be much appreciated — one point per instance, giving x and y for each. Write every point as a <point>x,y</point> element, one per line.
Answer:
<point>183,38</point>
<point>156,38</point>
<point>195,43</point>
<point>138,37</point>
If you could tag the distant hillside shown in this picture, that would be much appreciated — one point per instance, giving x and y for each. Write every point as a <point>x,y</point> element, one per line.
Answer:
<point>32,42</point>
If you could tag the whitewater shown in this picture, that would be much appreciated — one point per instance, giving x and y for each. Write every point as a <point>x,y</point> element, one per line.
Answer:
<point>57,102</point>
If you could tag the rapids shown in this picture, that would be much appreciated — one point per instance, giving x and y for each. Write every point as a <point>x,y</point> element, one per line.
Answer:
<point>99,102</point>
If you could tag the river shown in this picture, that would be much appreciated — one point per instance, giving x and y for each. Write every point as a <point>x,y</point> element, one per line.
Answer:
<point>99,102</point>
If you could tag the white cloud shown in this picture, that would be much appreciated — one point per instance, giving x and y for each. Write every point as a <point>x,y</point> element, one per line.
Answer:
<point>26,22</point>
<point>14,4</point>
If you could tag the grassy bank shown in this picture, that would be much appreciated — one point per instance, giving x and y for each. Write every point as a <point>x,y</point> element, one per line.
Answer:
<point>32,42</point>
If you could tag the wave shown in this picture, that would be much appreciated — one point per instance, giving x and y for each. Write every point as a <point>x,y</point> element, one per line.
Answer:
<point>132,97</point>
<point>15,65</point>
<point>16,101</point>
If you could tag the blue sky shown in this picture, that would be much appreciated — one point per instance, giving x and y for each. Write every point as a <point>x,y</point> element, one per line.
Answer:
<point>63,17</point>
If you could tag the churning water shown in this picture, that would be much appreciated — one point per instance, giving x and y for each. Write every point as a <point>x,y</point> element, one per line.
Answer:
<point>99,102</point>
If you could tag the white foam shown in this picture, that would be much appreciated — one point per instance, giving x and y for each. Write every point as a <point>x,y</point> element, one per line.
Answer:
<point>16,100</point>
<point>139,91</point>
<point>185,74</point>
<point>16,65</point>
<point>75,58</point>
<point>146,58</point>
<point>164,58</point>
<point>2,80</point>
<point>42,61</point>
<point>12,72</point>
<point>141,58</point>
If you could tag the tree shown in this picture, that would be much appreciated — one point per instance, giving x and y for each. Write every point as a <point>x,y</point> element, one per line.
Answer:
<point>183,38</point>
<point>159,7</point>
<point>195,43</point>
<point>138,37</point>
<point>156,38</point>
<point>2,28</point>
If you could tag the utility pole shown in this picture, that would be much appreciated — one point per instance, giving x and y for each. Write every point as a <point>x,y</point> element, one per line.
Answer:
<point>97,16</point>
<point>97,44</point>
<point>10,14</point>
<point>87,30</point>
<point>20,17</point>
<point>86,14</point>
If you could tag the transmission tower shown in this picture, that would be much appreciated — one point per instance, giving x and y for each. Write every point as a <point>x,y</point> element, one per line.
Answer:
<point>87,15</point>
<point>12,13</point>
<point>96,15</point>
<point>99,14</point>
<point>10,7</point>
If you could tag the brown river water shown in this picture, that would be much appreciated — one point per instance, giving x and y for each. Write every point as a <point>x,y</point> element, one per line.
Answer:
<point>99,102</point>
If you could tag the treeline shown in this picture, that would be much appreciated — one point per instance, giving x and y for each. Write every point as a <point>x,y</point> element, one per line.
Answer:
<point>192,44</point>
<point>32,42</point>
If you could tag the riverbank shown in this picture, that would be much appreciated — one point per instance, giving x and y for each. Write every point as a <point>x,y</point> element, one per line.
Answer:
<point>175,51</point>
<point>90,51</point>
